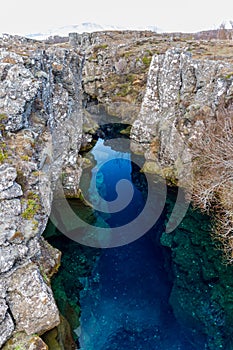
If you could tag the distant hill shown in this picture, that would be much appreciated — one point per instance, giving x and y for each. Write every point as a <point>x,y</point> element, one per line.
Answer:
<point>81,28</point>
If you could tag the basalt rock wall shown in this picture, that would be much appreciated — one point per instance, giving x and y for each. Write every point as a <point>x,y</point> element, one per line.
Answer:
<point>41,130</point>
<point>181,94</point>
<point>181,98</point>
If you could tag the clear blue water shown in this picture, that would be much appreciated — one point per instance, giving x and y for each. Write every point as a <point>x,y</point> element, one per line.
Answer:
<point>124,303</point>
<point>111,167</point>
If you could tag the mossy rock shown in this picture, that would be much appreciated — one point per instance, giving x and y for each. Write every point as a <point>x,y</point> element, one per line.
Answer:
<point>166,239</point>
<point>202,293</point>
<point>60,337</point>
<point>68,308</point>
<point>51,339</point>
<point>126,131</point>
<point>151,167</point>
<point>87,163</point>
<point>22,341</point>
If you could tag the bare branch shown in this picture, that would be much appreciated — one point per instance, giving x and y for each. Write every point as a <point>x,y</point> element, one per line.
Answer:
<point>213,174</point>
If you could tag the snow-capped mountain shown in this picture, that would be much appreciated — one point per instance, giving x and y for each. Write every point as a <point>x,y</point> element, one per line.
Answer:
<point>81,28</point>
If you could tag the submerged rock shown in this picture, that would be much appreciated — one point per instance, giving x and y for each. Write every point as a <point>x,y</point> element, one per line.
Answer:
<point>60,338</point>
<point>201,295</point>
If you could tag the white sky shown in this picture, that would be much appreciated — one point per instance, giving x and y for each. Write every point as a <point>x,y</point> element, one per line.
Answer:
<point>27,16</point>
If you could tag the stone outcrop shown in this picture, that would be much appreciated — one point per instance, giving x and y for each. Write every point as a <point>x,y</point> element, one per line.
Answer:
<point>40,135</point>
<point>26,286</point>
<point>180,93</point>
<point>22,341</point>
<point>116,64</point>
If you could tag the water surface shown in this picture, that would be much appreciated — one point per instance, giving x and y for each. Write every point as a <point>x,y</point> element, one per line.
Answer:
<point>124,303</point>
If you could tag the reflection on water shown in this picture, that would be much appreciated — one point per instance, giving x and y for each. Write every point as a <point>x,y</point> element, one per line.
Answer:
<point>124,303</point>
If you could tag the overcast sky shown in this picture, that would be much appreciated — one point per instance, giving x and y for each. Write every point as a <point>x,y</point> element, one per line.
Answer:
<point>27,16</point>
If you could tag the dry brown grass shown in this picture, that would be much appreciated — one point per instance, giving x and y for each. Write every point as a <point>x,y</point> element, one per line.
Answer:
<point>213,174</point>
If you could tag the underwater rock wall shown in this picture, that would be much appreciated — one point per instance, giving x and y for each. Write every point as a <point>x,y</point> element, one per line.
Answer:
<point>40,135</point>
<point>201,296</point>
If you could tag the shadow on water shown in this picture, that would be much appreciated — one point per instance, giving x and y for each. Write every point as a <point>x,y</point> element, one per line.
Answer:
<point>124,293</point>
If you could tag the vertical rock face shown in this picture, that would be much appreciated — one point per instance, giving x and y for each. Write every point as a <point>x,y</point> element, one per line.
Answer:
<point>31,301</point>
<point>116,64</point>
<point>40,135</point>
<point>180,92</point>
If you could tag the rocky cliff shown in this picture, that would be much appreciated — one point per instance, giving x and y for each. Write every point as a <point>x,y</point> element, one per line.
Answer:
<point>182,98</point>
<point>117,63</point>
<point>181,94</point>
<point>41,129</point>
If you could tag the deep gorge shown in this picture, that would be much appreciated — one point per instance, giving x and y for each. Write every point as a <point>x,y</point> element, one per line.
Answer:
<point>120,294</point>
<point>157,292</point>
<point>58,103</point>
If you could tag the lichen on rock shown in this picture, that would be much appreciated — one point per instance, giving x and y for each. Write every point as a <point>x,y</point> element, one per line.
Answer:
<point>41,131</point>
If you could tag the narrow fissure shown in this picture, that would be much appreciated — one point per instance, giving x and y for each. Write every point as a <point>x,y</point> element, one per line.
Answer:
<point>117,297</point>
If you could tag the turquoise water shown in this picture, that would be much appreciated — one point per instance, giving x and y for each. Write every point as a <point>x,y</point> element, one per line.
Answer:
<point>110,167</point>
<point>123,292</point>
<point>124,303</point>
